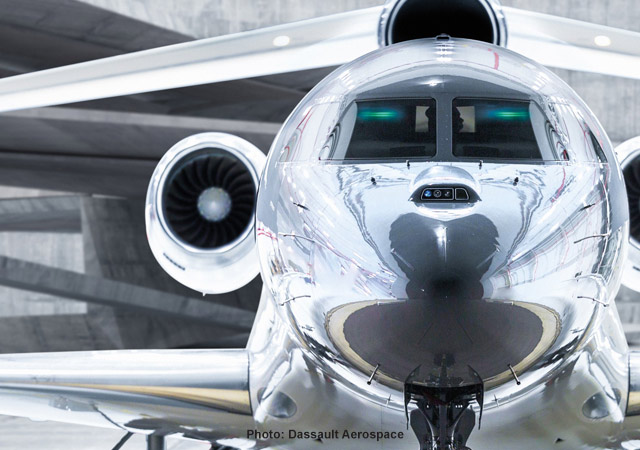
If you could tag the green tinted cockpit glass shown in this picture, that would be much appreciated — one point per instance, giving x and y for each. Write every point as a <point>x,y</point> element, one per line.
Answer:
<point>499,129</point>
<point>387,129</point>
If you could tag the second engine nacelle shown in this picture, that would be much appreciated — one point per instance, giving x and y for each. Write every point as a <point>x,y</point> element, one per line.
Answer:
<point>404,20</point>
<point>628,154</point>
<point>200,212</point>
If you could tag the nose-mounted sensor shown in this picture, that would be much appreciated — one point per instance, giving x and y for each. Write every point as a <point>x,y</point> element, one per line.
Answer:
<point>445,193</point>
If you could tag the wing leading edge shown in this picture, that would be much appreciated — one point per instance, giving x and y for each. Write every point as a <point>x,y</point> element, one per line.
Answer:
<point>572,44</point>
<point>309,44</point>
<point>201,394</point>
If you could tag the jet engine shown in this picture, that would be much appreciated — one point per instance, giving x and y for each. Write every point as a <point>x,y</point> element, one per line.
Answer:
<point>200,212</point>
<point>403,20</point>
<point>628,153</point>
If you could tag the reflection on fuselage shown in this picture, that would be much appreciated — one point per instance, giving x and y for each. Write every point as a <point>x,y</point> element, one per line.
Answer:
<point>443,287</point>
<point>376,284</point>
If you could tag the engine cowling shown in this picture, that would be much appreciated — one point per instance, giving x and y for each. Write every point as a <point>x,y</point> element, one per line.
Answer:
<point>200,212</point>
<point>628,154</point>
<point>404,20</point>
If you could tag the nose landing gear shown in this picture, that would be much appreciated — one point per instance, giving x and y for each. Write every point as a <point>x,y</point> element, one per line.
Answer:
<point>443,419</point>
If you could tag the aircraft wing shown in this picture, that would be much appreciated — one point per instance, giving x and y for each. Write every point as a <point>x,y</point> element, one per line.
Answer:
<point>320,42</point>
<point>202,394</point>
<point>573,44</point>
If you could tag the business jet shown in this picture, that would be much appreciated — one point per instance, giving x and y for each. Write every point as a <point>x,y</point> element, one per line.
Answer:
<point>441,226</point>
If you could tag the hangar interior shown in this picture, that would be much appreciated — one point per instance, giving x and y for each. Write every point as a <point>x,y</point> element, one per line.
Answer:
<point>76,272</point>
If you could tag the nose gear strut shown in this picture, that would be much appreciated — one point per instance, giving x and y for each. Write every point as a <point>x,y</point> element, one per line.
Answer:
<point>443,419</point>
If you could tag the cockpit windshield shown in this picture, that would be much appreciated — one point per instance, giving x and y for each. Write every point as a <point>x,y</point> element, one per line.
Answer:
<point>497,129</point>
<point>476,128</point>
<point>388,129</point>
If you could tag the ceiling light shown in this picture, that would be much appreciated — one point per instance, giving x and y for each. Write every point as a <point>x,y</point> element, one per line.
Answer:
<point>602,41</point>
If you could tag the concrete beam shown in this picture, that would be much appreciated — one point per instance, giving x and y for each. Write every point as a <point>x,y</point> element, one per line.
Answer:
<point>74,173</point>
<point>72,285</point>
<point>30,205</point>
<point>50,222</point>
<point>60,214</point>
<point>148,120</point>
<point>97,133</point>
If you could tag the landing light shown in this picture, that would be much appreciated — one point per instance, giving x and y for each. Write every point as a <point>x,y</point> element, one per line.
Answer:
<point>602,41</point>
<point>281,41</point>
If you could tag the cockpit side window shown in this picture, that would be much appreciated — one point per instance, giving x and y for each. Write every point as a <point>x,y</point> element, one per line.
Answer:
<point>499,129</point>
<point>597,148</point>
<point>387,129</point>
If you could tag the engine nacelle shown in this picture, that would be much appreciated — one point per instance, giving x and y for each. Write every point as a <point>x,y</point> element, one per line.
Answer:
<point>404,20</point>
<point>628,154</point>
<point>200,212</point>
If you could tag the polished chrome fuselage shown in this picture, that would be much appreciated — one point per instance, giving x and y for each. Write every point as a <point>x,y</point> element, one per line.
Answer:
<point>363,283</point>
<point>569,396</point>
<point>548,267</point>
